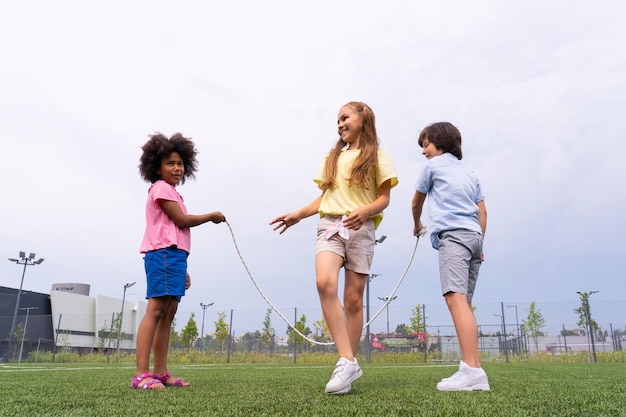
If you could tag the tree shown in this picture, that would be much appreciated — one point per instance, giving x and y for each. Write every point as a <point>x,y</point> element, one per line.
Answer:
<point>189,334</point>
<point>116,328</point>
<point>221,330</point>
<point>585,321</point>
<point>533,324</point>
<point>322,335</point>
<point>583,316</point>
<point>250,341</point>
<point>267,337</point>
<point>173,333</point>
<point>101,337</point>
<point>301,327</point>
<point>322,332</point>
<point>402,329</point>
<point>107,334</point>
<point>417,320</point>
<point>207,342</point>
<point>418,325</point>
<point>18,332</point>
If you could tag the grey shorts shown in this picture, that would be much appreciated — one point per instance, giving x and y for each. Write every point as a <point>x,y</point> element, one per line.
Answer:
<point>460,254</point>
<point>357,251</point>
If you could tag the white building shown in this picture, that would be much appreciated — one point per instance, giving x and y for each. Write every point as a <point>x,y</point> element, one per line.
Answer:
<point>81,321</point>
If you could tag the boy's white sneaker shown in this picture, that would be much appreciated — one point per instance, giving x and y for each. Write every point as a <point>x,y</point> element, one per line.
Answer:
<point>344,374</point>
<point>465,379</point>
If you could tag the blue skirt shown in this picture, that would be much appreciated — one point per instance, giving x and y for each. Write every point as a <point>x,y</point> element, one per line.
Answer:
<point>166,272</point>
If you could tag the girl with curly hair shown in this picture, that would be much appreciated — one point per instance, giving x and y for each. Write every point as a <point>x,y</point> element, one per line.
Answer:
<point>165,163</point>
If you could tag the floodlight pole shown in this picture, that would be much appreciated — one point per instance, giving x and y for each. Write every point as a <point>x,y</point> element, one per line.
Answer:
<point>384,299</point>
<point>30,260</point>
<point>367,307</point>
<point>204,307</point>
<point>516,326</point>
<point>367,316</point>
<point>119,329</point>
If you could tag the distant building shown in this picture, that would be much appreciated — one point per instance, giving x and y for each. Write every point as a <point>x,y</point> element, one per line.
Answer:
<point>39,326</point>
<point>67,318</point>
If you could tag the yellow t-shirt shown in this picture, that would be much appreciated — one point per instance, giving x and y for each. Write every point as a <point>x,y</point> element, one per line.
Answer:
<point>343,199</point>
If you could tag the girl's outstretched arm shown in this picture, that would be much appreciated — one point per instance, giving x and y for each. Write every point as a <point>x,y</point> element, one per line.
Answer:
<point>172,209</point>
<point>289,219</point>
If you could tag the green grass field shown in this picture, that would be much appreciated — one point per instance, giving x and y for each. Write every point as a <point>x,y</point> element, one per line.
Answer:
<point>517,389</point>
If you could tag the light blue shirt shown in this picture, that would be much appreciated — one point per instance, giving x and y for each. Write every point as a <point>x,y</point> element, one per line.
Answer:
<point>453,191</point>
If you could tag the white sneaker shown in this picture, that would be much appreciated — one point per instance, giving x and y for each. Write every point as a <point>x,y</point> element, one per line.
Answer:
<point>343,391</point>
<point>344,374</point>
<point>462,367</point>
<point>454,375</point>
<point>465,379</point>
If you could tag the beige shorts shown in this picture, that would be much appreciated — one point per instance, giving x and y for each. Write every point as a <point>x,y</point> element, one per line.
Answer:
<point>357,251</point>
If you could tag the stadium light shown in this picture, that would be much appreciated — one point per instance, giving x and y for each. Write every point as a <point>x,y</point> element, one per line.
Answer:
<point>384,299</point>
<point>23,260</point>
<point>204,307</point>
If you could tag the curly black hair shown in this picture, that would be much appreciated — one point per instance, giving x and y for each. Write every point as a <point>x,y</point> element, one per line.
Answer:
<point>159,147</point>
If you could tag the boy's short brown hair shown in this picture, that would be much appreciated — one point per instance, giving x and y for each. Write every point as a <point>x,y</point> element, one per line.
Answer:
<point>444,135</point>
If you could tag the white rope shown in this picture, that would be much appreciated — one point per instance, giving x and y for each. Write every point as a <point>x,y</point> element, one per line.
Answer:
<point>388,299</point>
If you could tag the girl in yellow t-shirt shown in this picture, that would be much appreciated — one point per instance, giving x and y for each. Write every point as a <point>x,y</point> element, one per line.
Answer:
<point>356,178</point>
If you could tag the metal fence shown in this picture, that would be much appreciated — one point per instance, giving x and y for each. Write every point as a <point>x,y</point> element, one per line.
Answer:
<point>500,328</point>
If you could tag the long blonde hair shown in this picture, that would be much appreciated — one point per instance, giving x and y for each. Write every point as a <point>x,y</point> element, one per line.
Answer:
<point>364,165</point>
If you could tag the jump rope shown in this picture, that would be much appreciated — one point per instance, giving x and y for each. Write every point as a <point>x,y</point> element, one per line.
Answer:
<point>388,299</point>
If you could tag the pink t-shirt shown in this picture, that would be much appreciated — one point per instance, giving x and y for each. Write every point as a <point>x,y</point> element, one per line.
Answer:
<point>161,231</point>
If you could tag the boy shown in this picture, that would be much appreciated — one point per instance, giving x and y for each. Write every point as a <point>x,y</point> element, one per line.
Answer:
<point>458,219</point>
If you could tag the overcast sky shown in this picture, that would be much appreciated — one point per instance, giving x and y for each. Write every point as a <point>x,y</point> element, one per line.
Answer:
<point>538,90</point>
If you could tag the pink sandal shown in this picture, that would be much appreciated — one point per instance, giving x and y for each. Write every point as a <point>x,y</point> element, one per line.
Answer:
<point>178,382</point>
<point>147,381</point>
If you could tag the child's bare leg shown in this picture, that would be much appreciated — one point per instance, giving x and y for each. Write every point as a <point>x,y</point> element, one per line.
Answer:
<point>161,341</point>
<point>353,304</point>
<point>327,266</point>
<point>146,332</point>
<point>465,325</point>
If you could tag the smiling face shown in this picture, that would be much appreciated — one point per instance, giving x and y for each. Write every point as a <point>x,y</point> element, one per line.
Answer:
<point>429,150</point>
<point>349,126</point>
<point>172,168</point>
